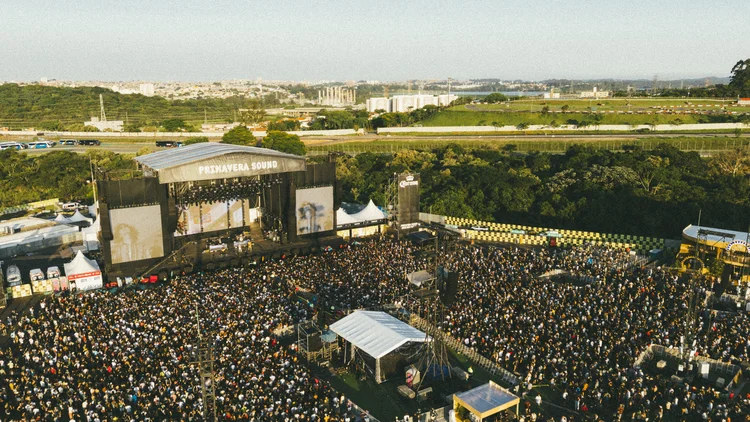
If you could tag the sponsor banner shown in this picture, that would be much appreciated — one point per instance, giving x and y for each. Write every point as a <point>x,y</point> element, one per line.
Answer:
<point>84,275</point>
<point>408,200</point>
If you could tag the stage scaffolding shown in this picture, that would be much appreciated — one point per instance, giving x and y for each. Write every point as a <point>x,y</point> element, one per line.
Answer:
<point>311,343</point>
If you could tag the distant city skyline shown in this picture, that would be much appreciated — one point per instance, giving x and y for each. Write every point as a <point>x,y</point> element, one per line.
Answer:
<point>108,40</point>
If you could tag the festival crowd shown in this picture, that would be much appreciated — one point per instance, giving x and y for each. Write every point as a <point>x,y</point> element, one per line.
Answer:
<point>130,355</point>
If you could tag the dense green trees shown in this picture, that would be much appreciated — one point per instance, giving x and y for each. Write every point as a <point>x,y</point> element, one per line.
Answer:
<point>286,125</point>
<point>641,192</point>
<point>240,135</point>
<point>654,193</point>
<point>53,108</point>
<point>495,97</point>
<point>340,119</point>
<point>740,81</point>
<point>195,140</point>
<point>57,174</point>
<point>284,142</point>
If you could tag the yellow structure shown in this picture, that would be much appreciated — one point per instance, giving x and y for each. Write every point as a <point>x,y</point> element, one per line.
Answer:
<point>484,401</point>
<point>729,246</point>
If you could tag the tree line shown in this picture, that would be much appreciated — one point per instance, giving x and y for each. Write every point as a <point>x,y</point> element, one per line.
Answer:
<point>654,193</point>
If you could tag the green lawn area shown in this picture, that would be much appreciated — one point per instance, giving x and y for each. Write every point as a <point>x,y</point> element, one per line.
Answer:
<point>606,104</point>
<point>501,118</point>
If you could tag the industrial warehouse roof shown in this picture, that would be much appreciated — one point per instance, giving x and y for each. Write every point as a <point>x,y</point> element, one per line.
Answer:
<point>376,333</point>
<point>213,160</point>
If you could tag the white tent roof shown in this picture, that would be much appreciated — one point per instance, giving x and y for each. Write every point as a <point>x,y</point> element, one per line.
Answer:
<point>80,265</point>
<point>369,213</point>
<point>376,333</point>
<point>77,218</point>
<point>62,219</point>
<point>343,218</point>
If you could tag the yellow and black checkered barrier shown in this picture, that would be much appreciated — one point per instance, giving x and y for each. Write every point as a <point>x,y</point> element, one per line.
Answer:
<point>23,290</point>
<point>501,233</point>
<point>41,286</point>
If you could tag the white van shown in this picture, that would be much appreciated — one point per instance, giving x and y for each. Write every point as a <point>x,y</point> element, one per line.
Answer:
<point>13,276</point>
<point>53,272</point>
<point>70,206</point>
<point>36,274</point>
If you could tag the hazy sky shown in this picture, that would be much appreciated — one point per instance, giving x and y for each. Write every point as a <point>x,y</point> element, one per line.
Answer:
<point>377,39</point>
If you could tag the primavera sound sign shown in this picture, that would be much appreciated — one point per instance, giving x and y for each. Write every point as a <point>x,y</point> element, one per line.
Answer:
<point>238,167</point>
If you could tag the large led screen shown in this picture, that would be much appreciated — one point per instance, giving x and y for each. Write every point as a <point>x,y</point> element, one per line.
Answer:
<point>136,234</point>
<point>188,220</point>
<point>214,216</point>
<point>236,214</point>
<point>314,210</point>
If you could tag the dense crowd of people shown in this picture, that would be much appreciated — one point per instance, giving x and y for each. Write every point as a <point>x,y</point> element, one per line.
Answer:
<point>130,355</point>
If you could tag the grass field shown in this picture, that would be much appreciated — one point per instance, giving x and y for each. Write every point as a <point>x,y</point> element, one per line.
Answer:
<point>705,145</point>
<point>497,118</point>
<point>608,104</point>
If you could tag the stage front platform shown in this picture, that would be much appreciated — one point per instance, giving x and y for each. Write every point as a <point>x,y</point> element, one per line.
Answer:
<point>202,255</point>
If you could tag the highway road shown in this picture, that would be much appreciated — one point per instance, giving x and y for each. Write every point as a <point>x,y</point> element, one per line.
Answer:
<point>133,146</point>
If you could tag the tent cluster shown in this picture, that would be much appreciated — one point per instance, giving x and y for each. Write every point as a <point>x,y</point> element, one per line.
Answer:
<point>73,219</point>
<point>369,214</point>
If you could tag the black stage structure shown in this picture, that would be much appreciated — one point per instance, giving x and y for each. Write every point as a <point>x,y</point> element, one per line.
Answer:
<point>211,204</point>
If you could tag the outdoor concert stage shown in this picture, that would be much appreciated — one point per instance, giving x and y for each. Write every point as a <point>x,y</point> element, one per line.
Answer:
<point>214,205</point>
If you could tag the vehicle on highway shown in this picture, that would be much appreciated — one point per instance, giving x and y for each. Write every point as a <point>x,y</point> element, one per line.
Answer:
<point>72,142</point>
<point>13,276</point>
<point>11,145</point>
<point>41,144</point>
<point>72,206</point>
<point>168,144</point>
<point>89,142</point>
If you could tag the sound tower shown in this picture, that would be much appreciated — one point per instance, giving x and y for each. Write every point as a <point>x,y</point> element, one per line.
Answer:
<point>448,296</point>
<point>726,280</point>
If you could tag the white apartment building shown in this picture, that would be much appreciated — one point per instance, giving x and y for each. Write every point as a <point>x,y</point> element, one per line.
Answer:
<point>595,94</point>
<point>407,103</point>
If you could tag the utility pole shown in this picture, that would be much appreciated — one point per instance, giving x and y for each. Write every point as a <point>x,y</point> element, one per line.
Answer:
<point>102,115</point>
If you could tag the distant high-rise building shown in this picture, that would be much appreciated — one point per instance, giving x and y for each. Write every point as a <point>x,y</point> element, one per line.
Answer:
<point>147,90</point>
<point>337,96</point>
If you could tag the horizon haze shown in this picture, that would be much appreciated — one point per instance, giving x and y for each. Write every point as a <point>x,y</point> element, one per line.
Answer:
<point>354,40</point>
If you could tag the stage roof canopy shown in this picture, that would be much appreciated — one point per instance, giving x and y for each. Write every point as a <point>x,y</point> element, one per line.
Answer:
<point>213,160</point>
<point>718,238</point>
<point>486,400</point>
<point>376,333</point>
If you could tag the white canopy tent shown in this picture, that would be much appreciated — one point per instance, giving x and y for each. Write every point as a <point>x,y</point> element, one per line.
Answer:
<point>78,218</point>
<point>90,235</point>
<point>342,218</point>
<point>84,273</point>
<point>370,213</point>
<point>377,334</point>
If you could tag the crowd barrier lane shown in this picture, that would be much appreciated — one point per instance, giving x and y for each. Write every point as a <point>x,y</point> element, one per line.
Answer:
<point>502,233</point>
